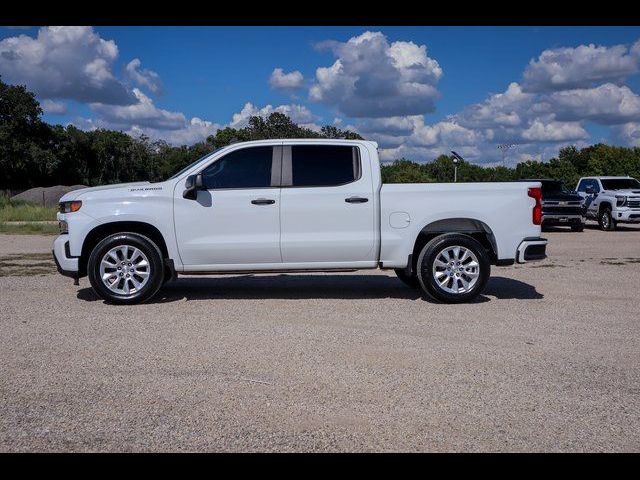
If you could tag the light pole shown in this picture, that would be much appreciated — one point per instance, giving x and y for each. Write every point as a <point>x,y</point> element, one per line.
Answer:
<point>456,158</point>
<point>455,169</point>
<point>504,147</point>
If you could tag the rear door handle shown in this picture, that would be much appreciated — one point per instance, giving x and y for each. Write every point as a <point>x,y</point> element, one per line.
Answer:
<point>263,201</point>
<point>356,200</point>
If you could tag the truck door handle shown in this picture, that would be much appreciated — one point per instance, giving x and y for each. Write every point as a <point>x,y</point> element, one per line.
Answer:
<point>263,201</point>
<point>356,200</point>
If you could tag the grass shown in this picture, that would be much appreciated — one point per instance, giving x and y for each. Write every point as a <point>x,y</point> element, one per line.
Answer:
<point>12,210</point>
<point>29,229</point>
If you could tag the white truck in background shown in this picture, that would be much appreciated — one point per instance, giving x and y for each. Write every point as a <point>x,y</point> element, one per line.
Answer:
<point>293,206</point>
<point>610,200</point>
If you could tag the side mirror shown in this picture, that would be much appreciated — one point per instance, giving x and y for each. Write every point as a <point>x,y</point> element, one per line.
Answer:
<point>590,190</point>
<point>192,185</point>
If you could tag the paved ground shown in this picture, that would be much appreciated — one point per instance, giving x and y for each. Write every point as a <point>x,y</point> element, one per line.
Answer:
<point>548,359</point>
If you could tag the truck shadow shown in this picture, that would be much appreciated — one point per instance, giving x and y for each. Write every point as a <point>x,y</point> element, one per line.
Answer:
<point>300,287</point>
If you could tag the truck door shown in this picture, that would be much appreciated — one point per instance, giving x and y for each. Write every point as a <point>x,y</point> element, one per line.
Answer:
<point>326,205</point>
<point>235,219</point>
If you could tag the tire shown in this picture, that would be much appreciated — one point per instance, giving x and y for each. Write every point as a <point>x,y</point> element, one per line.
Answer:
<point>605,220</point>
<point>577,228</point>
<point>409,280</point>
<point>126,254</point>
<point>428,270</point>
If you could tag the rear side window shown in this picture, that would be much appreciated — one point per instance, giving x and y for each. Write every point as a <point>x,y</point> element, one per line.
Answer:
<point>246,168</point>
<point>324,165</point>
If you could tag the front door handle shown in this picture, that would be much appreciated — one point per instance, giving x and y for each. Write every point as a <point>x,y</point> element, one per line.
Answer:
<point>356,200</point>
<point>263,201</point>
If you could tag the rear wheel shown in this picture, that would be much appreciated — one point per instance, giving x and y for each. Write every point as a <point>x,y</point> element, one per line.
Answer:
<point>126,268</point>
<point>453,268</point>
<point>605,220</point>
<point>408,280</point>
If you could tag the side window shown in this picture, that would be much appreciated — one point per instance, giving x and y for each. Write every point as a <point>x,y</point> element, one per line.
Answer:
<point>596,186</point>
<point>324,165</point>
<point>246,168</point>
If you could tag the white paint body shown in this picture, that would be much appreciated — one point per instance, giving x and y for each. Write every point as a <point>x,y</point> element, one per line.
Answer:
<point>306,228</point>
<point>629,213</point>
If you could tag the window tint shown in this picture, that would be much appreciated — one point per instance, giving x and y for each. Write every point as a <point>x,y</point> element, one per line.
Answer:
<point>620,184</point>
<point>583,185</point>
<point>246,168</point>
<point>324,165</point>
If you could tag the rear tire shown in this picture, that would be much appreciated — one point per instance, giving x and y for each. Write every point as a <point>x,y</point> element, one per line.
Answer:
<point>409,280</point>
<point>606,221</point>
<point>453,268</point>
<point>126,268</point>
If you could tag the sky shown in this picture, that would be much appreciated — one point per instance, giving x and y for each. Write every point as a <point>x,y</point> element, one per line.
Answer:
<point>417,91</point>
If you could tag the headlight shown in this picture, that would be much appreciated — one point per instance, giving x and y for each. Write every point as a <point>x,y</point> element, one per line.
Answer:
<point>68,207</point>
<point>621,200</point>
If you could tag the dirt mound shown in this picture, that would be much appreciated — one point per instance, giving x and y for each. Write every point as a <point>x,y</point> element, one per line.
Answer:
<point>49,195</point>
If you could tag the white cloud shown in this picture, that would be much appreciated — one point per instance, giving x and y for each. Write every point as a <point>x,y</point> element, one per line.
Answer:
<point>297,113</point>
<point>64,62</point>
<point>582,66</point>
<point>193,131</point>
<point>286,81</point>
<point>627,134</point>
<point>553,131</point>
<point>53,107</point>
<point>143,113</point>
<point>606,104</point>
<point>373,78</point>
<point>143,77</point>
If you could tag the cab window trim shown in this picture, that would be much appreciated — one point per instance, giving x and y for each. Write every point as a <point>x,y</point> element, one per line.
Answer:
<point>287,166</point>
<point>276,168</point>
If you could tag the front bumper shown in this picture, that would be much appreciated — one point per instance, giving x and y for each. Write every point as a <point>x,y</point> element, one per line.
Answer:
<point>66,264</point>
<point>531,250</point>
<point>627,216</point>
<point>559,219</point>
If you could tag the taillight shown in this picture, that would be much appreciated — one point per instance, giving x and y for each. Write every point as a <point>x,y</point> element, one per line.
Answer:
<point>536,193</point>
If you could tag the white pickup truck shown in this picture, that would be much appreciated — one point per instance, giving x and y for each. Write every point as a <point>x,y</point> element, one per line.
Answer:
<point>295,205</point>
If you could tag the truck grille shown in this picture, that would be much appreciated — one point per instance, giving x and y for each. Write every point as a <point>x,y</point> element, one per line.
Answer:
<point>633,202</point>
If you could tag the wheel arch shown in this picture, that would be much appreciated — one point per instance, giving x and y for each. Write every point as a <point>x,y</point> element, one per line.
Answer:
<point>605,204</point>
<point>102,231</point>
<point>472,227</point>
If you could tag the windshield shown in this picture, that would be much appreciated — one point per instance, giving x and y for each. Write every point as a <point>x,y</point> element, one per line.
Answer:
<point>549,188</point>
<point>620,183</point>
<point>176,175</point>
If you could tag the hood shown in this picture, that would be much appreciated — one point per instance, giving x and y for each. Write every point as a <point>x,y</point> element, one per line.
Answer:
<point>77,193</point>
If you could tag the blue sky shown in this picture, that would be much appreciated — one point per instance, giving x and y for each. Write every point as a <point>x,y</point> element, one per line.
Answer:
<point>442,100</point>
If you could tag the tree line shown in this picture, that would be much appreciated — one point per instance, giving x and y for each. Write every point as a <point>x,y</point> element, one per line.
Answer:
<point>34,153</point>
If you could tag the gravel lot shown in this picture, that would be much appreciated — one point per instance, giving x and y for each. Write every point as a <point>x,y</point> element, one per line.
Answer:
<point>548,359</point>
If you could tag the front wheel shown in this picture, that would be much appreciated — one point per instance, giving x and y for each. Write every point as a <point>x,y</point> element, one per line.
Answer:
<point>453,268</point>
<point>605,220</point>
<point>126,268</point>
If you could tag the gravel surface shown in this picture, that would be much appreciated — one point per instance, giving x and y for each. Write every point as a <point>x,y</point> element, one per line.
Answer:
<point>548,359</point>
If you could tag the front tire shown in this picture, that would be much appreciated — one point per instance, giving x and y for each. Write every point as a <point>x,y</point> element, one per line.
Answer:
<point>453,268</point>
<point>606,221</point>
<point>126,268</point>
